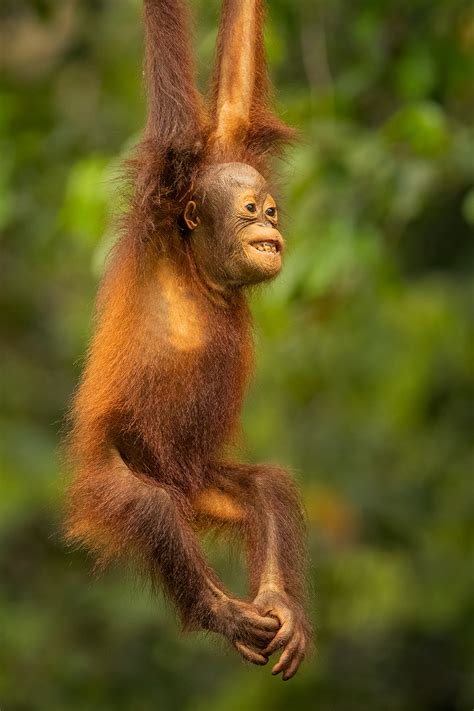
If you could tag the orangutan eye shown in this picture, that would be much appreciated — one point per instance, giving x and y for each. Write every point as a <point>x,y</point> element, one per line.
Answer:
<point>270,211</point>
<point>251,207</point>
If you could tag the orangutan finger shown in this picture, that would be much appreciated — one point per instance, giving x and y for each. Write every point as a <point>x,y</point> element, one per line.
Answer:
<point>295,665</point>
<point>280,640</point>
<point>288,655</point>
<point>265,623</point>
<point>250,655</point>
<point>259,638</point>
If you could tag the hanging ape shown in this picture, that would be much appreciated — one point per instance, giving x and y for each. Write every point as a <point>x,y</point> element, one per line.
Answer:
<point>162,389</point>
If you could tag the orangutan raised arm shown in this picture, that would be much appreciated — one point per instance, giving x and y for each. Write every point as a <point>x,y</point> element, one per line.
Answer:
<point>161,394</point>
<point>176,115</point>
<point>244,124</point>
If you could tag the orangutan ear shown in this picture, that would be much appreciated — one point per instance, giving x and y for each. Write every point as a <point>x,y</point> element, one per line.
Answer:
<point>190,215</point>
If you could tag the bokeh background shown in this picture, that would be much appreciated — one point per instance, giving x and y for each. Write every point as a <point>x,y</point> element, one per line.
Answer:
<point>365,376</point>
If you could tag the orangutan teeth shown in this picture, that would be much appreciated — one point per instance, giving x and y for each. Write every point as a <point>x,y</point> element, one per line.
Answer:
<point>265,247</point>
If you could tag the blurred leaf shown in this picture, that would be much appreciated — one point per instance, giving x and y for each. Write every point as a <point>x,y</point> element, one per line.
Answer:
<point>422,127</point>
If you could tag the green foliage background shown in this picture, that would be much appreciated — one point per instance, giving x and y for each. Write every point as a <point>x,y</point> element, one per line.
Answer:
<point>365,349</point>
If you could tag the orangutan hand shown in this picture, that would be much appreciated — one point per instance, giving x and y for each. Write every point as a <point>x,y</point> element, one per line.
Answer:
<point>245,628</point>
<point>293,634</point>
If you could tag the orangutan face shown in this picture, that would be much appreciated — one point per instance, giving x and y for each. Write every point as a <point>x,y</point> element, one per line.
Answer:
<point>233,223</point>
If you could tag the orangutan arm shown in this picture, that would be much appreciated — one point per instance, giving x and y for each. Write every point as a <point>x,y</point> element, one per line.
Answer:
<point>260,503</point>
<point>241,109</point>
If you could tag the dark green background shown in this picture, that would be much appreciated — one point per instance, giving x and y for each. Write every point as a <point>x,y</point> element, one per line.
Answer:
<point>365,356</point>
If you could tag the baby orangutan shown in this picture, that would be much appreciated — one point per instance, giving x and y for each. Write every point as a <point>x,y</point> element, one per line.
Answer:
<point>163,386</point>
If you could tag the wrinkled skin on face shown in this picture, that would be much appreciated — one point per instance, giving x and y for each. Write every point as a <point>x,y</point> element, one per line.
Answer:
<point>232,225</point>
